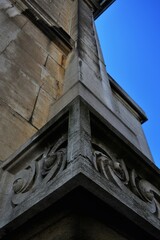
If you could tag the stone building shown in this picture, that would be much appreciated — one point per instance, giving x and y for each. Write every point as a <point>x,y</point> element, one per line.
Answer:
<point>75,163</point>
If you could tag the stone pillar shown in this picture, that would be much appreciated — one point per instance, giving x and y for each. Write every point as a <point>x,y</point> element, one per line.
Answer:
<point>79,135</point>
<point>85,63</point>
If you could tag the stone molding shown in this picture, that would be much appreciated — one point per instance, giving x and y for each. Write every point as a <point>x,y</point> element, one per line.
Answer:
<point>98,6</point>
<point>115,170</point>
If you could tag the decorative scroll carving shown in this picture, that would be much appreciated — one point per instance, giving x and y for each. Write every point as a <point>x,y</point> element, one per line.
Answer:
<point>23,182</point>
<point>54,159</point>
<point>113,169</point>
<point>40,171</point>
<point>146,191</point>
<point>53,163</point>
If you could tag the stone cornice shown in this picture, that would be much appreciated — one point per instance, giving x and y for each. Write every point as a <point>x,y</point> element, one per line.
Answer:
<point>128,100</point>
<point>103,5</point>
<point>99,6</point>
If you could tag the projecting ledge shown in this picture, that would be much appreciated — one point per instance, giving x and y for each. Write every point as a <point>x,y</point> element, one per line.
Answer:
<point>99,6</point>
<point>126,98</point>
<point>76,149</point>
<point>113,119</point>
<point>81,175</point>
<point>103,5</point>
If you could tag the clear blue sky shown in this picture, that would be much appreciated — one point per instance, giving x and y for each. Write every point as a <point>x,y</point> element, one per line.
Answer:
<point>129,32</point>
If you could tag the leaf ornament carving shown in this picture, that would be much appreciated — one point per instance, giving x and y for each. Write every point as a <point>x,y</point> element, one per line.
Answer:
<point>53,163</point>
<point>22,183</point>
<point>113,169</point>
<point>146,191</point>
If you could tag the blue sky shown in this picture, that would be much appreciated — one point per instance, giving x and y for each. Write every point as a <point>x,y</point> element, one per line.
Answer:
<point>129,32</point>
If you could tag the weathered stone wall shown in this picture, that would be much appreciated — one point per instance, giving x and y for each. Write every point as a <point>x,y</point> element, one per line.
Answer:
<point>31,78</point>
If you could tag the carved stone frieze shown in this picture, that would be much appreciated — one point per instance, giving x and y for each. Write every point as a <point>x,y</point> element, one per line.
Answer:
<point>53,163</point>
<point>23,182</point>
<point>146,191</point>
<point>40,171</point>
<point>116,171</point>
<point>113,169</point>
